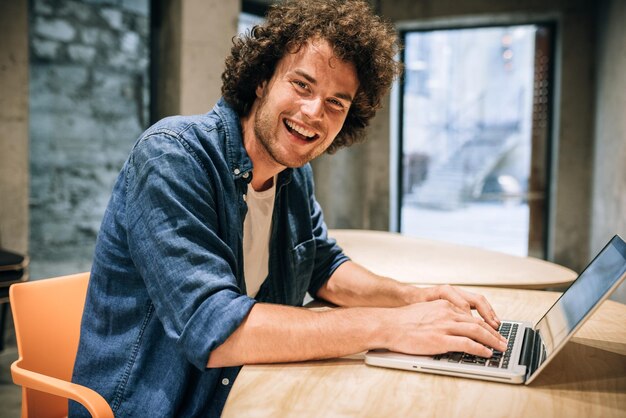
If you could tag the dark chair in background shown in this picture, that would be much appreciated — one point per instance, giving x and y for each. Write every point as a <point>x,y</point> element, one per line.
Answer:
<point>13,269</point>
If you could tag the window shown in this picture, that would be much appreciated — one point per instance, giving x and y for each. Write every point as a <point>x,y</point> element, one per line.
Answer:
<point>474,136</point>
<point>252,13</point>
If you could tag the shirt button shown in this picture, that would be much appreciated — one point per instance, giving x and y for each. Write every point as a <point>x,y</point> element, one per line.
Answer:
<point>237,171</point>
<point>225,381</point>
<point>246,175</point>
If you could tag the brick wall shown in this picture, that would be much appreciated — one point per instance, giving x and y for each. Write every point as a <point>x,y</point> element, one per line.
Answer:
<point>89,100</point>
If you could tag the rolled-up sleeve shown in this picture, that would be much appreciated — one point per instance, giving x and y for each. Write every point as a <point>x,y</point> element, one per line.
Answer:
<point>174,241</point>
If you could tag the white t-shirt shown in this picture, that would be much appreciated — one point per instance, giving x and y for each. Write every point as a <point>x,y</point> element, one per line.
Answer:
<point>257,228</point>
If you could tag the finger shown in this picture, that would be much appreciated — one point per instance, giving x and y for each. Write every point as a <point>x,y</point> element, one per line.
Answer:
<point>484,308</point>
<point>453,295</point>
<point>479,321</point>
<point>477,333</point>
<point>465,345</point>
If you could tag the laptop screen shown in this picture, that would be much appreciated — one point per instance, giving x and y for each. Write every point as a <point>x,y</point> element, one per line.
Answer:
<point>600,276</point>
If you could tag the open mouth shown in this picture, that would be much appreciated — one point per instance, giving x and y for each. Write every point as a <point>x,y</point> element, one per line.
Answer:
<point>299,131</point>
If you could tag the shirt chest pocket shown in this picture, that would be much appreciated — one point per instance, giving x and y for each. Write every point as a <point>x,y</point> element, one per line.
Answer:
<point>302,261</point>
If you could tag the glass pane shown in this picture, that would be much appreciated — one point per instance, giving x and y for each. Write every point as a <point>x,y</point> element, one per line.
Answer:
<point>466,136</point>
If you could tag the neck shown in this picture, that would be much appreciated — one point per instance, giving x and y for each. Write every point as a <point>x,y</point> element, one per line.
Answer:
<point>264,168</point>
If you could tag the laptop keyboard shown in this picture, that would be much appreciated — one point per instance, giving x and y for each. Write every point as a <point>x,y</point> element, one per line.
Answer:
<point>498,359</point>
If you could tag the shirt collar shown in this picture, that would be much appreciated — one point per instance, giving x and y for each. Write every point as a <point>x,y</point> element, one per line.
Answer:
<point>239,162</point>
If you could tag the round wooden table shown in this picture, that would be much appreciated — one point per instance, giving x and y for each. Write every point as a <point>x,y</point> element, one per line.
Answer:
<point>424,261</point>
<point>586,379</point>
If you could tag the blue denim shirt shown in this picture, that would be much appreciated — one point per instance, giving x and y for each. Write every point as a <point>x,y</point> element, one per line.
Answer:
<point>167,283</point>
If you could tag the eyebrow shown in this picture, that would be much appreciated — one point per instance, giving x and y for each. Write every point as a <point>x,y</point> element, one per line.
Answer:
<point>310,79</point>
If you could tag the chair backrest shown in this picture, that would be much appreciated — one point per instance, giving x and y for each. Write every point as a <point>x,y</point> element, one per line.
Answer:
<point>47,316</point>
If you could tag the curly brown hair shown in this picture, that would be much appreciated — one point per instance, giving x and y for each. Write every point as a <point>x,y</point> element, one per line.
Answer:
<point>357,36</point>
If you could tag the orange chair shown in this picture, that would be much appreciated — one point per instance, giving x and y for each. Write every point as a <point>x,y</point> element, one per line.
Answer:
<point>47,315</point>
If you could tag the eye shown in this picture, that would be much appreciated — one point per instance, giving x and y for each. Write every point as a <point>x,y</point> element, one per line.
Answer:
<point>336,104</point>
<point>300,85</point>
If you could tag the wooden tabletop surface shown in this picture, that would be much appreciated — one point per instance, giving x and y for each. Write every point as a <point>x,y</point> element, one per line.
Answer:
<point>424,261</point>
<point>586,379</point>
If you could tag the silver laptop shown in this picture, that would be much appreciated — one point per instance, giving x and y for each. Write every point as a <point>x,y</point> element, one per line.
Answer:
<point>531,347</point>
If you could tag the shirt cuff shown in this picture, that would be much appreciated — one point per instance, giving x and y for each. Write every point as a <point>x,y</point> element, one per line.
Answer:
<point>212,323</point>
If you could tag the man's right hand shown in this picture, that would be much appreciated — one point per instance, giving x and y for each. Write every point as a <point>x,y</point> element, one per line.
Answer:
<point>437,327</point>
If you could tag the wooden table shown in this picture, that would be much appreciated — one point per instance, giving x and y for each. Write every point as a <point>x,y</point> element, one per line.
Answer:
<point>423,261</point>
<point>586,379</point>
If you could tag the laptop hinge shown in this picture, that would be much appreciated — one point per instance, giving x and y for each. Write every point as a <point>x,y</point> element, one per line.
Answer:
<point>537,356</point>
<point>527,348</point>
<point>532,350</point>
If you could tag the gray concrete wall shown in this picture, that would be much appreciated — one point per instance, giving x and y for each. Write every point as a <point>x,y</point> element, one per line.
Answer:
<point>609,160</point>
<point>573,135</point>
<point>88,104</point>
<point>89,101</point>
<point>194,39</point>
<point>14,126</point>
<point>340,186</point>
<point>367,174</point>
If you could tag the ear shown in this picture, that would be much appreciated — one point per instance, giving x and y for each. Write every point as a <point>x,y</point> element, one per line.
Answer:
<point>260,89</point>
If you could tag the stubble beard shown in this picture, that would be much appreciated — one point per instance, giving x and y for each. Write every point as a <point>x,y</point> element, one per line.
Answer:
<point>264,123</point>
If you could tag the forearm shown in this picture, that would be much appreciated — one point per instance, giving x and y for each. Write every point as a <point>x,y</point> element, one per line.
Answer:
<point>383,314</point>
<point>277,334</point>
<point>353,285</point>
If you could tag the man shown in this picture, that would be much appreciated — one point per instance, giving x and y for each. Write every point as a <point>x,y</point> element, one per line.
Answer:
<point>213,230</point>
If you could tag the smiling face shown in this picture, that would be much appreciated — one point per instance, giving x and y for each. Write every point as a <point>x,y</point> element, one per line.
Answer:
<point>301,109</point>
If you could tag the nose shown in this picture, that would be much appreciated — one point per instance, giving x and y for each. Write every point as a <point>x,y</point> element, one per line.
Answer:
<point>313,108</point>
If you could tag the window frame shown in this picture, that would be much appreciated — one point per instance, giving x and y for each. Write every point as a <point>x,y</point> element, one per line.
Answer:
<point>541,247</point>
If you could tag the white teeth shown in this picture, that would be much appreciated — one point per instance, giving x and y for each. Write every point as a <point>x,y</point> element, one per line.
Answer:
<point>300,130</point>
